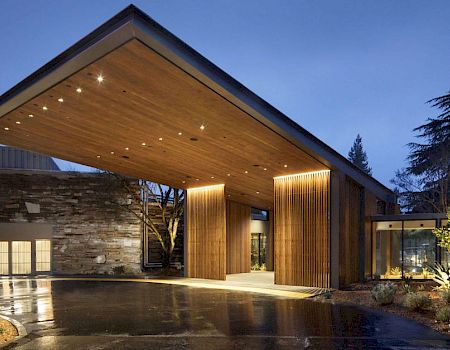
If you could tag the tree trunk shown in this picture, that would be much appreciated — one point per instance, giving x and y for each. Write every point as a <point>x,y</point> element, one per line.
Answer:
<point>166,257</point>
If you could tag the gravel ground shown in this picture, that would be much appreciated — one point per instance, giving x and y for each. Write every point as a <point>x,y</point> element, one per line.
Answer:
<point>9,331</point>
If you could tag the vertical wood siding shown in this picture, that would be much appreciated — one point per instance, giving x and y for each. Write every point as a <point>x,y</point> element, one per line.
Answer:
<point>206,232</point>
<point>270,245</point>
<point>350,228</point>
<point>238,237</point>
<point>301,229</point>
<point>370,208</point>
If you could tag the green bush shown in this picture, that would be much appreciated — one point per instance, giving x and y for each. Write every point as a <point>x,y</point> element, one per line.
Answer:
<point>256,267</point>
<point>396,271</point>
<point>445,295</point>
<point>417,302</point>
<point>443,314</point>
<point>119,270</point>
<point>441,275</point>
<point>384,293</point>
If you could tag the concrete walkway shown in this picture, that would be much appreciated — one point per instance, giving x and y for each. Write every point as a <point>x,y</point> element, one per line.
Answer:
<point>255,282</point>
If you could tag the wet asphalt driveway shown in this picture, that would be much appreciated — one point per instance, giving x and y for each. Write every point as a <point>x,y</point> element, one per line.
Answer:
<point>129,315</point>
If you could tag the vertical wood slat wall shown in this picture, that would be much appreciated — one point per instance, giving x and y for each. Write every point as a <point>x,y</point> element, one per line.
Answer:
<point>270,245</point>
<point>206,232</point>
<point>302,230</point>
<point>349,231</point>
<point>370,209</point>
<point>238,237</point>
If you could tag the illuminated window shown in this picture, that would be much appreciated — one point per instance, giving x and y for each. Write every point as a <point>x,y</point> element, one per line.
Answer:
<point>21,257</point>
<point>43,255</point>
<point>4,265</point>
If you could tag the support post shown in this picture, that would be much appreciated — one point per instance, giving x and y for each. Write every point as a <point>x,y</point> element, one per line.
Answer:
<point>334,228</point>
<point>206,232</point>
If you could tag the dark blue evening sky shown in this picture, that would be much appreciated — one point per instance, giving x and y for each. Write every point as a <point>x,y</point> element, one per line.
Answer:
<point>337,68</point>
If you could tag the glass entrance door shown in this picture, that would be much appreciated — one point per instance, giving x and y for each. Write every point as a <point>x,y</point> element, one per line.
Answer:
<point>259,243</point>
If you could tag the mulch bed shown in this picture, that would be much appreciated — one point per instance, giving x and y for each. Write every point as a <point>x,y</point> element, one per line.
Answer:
<point>359,294</point>
<point>7,331</point>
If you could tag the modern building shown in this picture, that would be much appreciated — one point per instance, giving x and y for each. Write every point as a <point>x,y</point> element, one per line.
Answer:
<point>132,98</point>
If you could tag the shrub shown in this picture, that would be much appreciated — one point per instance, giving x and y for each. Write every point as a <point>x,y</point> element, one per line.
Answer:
<point>119,270</point>
<point>417,302</point>
<point>443,314</point>
<point>396,271</point>
<point>256,267</point>
<point>441,275</point>
<point>445,295</point>
<point>384,293</point>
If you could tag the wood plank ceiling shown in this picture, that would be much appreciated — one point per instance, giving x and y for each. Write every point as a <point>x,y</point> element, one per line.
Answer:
<point>145,120</point>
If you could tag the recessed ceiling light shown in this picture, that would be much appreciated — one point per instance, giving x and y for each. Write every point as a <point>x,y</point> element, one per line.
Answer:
<point>31,115</point>
<point>265,169</point>
<point>202,127</point>
<point>44,108</point>
<point>127,148</point>
<point>246,172</point>
<point>183,181</point>
<point>212,177</point>
<point>180,133</point>
<point>112,152</point>
<point>285,165</point>
<point>6,128</point>
<point>143,144</point>
<point>98,156</point>
<point>197,179</point>
<point>17,122</point>
<point>228,174</point>
<point>100,78</point>
<point>257,192</point>
<point>160,139</point>
<point>79,90</point>
<point>60,99</point>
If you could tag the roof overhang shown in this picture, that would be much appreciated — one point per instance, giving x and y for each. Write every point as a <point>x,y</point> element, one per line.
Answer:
<point>260,136</point>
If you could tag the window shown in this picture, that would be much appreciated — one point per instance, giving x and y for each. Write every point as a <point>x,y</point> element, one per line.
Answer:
<point>419,248</point>
<point>21,257</point>
<point>43,253</point>
<point>403,248</point>
<point>4,264</point>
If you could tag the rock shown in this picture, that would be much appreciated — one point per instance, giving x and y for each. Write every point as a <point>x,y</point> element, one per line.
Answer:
<point>101,259</point>
<point>33,208</point>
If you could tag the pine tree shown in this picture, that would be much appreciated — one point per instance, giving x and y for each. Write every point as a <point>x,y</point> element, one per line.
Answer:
<point>424,186</point>
<point>358,156</point>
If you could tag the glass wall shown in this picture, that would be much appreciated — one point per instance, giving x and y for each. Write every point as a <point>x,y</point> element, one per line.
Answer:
<point>445,255</point>
<point>419,248</point>
<point>403,248</point>
<point>387,244</point>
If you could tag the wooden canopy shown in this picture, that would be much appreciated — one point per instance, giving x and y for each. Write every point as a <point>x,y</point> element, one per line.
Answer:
<point>132,98</point>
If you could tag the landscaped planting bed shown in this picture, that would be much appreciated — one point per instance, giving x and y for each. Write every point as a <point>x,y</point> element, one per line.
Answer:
<point>7,331</point>
<point>360,294</point>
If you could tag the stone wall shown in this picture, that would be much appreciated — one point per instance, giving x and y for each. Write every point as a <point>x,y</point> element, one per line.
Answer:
<point>91,233</point>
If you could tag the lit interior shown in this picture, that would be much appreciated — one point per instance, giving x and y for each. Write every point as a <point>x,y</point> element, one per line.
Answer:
<point>43,252</point>
<point>21,257</point>
<point>4,264</point>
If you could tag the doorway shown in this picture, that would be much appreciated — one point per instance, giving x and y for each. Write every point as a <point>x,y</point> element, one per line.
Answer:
<point>258,250</point>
